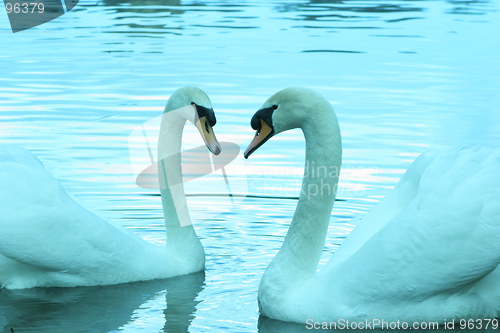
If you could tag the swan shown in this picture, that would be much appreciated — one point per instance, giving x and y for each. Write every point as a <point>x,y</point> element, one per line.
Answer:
<point>47,239</point>
<point>429,251</point>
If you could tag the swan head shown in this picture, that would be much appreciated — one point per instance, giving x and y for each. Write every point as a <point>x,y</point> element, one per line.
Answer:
<point>203,116</point>
<point>294,107</point>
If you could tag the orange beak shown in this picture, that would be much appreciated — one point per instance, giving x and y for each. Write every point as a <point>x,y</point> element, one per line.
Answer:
<point>261,136</point>
<point>208,135</point>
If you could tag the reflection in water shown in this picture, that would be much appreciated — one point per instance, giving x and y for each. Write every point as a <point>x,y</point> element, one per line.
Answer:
<point>98,309</point>
<point>182,292</point>
<point>137,16</point>
<point>138,6</point>
<point>470,7</point>
<point>146,8</point>
<point>348,15</point>
<point>350,6</point>
<point>142,3</point>
<point>343,11</point>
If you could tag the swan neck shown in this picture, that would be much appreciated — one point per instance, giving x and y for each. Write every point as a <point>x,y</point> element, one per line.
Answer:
<point>305,239</point>
<point>170,171</point>
<point>181,237</point>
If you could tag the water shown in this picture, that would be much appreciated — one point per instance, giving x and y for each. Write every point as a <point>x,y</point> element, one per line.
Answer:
<point>403,77</point>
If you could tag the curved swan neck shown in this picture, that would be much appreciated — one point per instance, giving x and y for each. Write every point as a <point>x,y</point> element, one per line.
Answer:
<point>305,239</point>
<point>181,237</point>
<point>170,171</point>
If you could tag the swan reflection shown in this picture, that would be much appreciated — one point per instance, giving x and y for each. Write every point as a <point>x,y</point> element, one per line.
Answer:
<point>102,308</point>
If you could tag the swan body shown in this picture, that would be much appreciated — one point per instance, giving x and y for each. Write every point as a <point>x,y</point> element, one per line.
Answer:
<point>430,251</point>
<point>47,239</point>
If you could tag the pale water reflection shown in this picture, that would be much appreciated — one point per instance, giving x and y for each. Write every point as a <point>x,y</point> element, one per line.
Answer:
<point>403,77</point>
<point>104,309</point>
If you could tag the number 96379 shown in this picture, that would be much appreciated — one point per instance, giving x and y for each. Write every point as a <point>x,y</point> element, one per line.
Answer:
<point>24,7</point>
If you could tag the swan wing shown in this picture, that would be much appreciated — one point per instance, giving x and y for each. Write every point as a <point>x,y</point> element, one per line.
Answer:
<point>397,200</point>
<point>42,226</point>
<point>446,238</point>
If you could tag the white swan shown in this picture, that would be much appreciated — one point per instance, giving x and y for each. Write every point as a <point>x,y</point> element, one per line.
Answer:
<point>430,251</point>
<point>47,239</point>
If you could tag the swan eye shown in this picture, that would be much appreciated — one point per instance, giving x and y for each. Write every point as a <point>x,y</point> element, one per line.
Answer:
<point>274,107</point>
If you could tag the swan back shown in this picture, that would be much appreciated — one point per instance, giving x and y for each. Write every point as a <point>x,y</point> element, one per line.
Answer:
<point>455,178</point>
<point>428,250</point>
<point>48,239</point>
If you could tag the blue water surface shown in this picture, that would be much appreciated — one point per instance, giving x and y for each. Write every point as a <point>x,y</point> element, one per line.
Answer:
<point>403,77</point>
